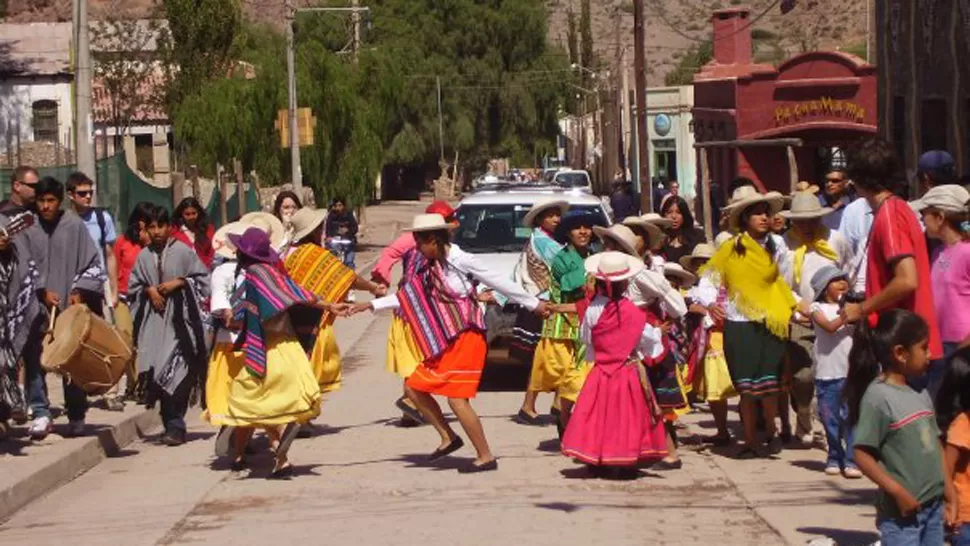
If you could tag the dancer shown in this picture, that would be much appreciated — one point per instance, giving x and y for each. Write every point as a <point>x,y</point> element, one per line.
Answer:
<point>758,310</point>
<point>454,350</point>
<point>276,390</point>
<point>534,274</point>
<point>616,422</point>
<point>167,289</point>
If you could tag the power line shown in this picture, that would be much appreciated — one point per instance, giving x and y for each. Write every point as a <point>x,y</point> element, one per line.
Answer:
<point>661,13</point>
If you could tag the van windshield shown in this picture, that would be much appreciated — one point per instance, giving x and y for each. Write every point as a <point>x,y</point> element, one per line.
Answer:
<point>498,228</point>
<point>572,180</point>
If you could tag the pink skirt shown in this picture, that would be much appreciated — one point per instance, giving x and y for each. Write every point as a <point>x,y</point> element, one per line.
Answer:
<point>612,423</point>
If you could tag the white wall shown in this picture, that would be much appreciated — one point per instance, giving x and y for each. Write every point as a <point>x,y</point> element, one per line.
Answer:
<point>17,96</point>
<point>677,103</point>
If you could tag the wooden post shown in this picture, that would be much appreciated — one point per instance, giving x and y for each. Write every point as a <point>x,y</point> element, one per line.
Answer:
<point>706,197</point>
<point>10,144</point>
<point>223,195</point>
<point>240,186</point>
<point>193,173</point>
<point>178,186</point>
<point>20,159</point>
<point>792,168</point>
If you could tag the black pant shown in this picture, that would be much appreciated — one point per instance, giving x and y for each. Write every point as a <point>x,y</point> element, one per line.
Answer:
<point>175,405</point>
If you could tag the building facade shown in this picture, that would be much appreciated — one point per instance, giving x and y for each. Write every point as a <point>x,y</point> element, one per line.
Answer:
<point>671,146</point>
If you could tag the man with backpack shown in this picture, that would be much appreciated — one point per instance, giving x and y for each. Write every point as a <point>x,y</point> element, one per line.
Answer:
<point>101,227</point>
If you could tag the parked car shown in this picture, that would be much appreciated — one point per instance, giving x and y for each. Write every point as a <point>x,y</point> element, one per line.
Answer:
<point>490,224</point>
<point>573,179</point>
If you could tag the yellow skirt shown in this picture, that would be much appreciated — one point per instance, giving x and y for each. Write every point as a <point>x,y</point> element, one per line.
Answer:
<point>713,382</point>
<point>325,360</point>
<point>403,354</point>
<point>554,368</point>
<point>288,394</point>
<point>224,365</point>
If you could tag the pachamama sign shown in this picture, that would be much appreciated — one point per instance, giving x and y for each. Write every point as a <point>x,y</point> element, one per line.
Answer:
<point>826,106</point>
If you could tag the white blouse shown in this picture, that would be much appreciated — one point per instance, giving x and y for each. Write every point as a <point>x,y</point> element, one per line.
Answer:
<point>651,339</point>
<point>649,286</point>
<point>461,265</point>
<point>224,284</point>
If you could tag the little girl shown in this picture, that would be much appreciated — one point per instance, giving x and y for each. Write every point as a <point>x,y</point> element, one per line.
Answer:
<point>953,404</point>
<point>833,341</point>
<point>896,435</point>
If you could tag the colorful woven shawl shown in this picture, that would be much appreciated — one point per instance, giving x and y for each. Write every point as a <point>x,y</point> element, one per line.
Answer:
<point>265,293</point>
<point>317,270</point>
<point>436,314</point>
<point>568,284</point>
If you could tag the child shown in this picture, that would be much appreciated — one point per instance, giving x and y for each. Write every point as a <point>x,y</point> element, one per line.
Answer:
<point>953,404</point>
<point>833,340</point>
<point>896,435</point>
<point>616,422</point>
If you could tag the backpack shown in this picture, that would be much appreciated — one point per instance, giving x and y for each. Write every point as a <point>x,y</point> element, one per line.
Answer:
<point>99,215</point>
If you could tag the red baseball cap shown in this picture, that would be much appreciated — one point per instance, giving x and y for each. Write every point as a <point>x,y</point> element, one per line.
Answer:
<point>440,207</point>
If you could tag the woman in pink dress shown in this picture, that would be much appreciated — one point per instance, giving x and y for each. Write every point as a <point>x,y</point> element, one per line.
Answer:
<point>616,423</point>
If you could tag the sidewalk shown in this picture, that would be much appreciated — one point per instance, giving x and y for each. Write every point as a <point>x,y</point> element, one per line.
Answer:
<point>30,470</point>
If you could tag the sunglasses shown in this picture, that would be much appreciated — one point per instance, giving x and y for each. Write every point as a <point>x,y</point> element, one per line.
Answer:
<point>86,193</point>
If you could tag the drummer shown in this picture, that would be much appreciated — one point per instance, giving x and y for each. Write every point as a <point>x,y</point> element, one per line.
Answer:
<point>74,275</point>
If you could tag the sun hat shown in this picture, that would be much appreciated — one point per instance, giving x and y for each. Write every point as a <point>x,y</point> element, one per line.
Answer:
<point>946,198</point>
<point>613,266</point>
<point>268,223</point>
<point>748,196</point>
<point>541,206</point>
<point>702,251</point>
<point>221,244</point>
<point>675,270</point>
<point>255,243</point>
<point>657,220</point>
<point>429,222</point>
<point>806,186</point>
<point>622,235</point>
<point>440,207</point>
<point>305,221</point>
<point>579,217</point>
<point>823,277</point>
<point>722,238</point>
<point>654,235</point>
<point>805,206</point>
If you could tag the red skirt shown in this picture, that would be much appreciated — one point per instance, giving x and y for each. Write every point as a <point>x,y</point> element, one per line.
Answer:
<point>455,373</point>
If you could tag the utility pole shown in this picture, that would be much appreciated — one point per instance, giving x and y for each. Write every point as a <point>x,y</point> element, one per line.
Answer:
<point>441,124</point>
<point>82,82</point>
<point>295,169</point>
<point>640,79</point>
<point>355,15</point>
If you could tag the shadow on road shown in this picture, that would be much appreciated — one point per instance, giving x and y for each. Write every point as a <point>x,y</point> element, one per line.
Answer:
<point>842,537</point>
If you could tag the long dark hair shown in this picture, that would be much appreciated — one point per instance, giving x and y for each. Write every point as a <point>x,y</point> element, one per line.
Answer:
<point>141,213</point>
<point>746,215</point>
<point>954,396</point>
<point>872,349</point>
<point>687,232</point>
<point>201,225</point>
<point>283,196</point>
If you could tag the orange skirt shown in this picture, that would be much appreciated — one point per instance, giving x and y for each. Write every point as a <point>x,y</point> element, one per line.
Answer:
<point>456,372</point>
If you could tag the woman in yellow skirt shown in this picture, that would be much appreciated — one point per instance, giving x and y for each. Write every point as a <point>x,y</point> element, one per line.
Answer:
<point>276,389</point>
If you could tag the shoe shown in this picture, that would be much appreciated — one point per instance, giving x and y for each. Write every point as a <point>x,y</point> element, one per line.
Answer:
<point>524,418</point>
<point>114,404</point>
<point>807,440</point>
<point>173,438</point>
<point>409,410</point>
<point>407,422</point>
<point>239,465</point>
<point>719,440</point>
<point>667,465</point>
<point>833,470</point>
<point>476,468</point>
<point>852,473</point>
<point>75,428</point>
<point>40,428</point>
<point>554,411</point>
<point>454,446</point>
<point>774,445</point>
<point>747,454</point>
<point>785,436</point>
<point>305,431</point>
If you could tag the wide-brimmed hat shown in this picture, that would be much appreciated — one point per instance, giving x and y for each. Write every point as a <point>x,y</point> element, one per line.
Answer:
<point>305,221</point>
<point>653,233</point>
<point>621,235</point>
<point>579,217</point>
<point>746,197</point>
<point>822,278</point>
<point>268,223</point>
<point>805,206</point>
<point>702,251</point>
<point>537,209</point>
<point>722,238</point>
<point>221,244</point>
<point>675,270</point>
<point>255,243</point>
<point>945,198</point>
<point>429,222</point>
<point>657,220</point>
<point>613,266</point>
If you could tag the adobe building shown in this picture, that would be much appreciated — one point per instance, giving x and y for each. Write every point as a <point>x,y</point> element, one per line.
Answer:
<point>776,125</point>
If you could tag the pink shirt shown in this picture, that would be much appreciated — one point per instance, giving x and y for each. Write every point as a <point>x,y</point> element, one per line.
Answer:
<point>390,256</point>
<point>951,290</point>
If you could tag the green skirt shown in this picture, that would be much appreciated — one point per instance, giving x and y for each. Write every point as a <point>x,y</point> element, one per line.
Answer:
<point>755,358</point>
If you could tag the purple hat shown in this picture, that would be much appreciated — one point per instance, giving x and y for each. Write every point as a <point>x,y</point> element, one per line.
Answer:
<point>938,162</point>
<point>255,244</point>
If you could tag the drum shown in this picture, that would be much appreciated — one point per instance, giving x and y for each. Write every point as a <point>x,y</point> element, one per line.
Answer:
<point>86,349</point>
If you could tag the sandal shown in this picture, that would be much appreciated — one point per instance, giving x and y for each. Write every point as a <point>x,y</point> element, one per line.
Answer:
<point>282,472</point>
<point>409,410</point>
<point>454,446</point>
<point>239,465</point>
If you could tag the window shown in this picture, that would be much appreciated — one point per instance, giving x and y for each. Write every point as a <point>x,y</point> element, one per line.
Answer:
<point>498,228</point>
<point>45,120</point>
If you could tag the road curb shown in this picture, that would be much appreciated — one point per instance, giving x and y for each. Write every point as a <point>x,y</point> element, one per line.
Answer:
<point>77,460</point>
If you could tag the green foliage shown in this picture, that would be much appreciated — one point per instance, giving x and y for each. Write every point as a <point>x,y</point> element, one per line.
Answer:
<point>858,49</point>
<point>763,34</point>
<point>696,57</point>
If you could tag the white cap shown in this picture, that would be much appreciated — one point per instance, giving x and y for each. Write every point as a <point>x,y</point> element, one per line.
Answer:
<point>946,198</point>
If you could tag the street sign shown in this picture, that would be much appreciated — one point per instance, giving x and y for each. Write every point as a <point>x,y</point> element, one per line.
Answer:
<point>306,123</point>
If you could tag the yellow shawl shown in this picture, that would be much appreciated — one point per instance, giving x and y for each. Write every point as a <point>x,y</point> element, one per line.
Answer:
<point>320,272</point>
<point>820,244</point>
<point>753,283</point>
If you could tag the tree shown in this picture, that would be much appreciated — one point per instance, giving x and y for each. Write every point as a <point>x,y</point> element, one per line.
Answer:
<point>588,61</point>
<point>690,64</point>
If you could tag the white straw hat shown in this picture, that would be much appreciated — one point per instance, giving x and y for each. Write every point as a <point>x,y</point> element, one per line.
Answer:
<point>702,251</point>
<point>805,206</point>
<point>657,220</point>
<point>613,266</point>
<point>537,209</point>
<point>305,220</point>
<point>652,229</point>
<point>675,270</point>
<point>220,241</point>
<point>429,222</point>
<point>722,238</point>
<point>621,235</point>
<point>268,223</point>
<point>747,196</point>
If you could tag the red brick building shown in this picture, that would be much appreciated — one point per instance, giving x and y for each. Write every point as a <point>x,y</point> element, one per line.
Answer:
<point>752,119</point>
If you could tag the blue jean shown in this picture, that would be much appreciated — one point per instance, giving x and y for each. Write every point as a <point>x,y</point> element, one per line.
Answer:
<point>924,528</point>
<point>834,415</point>
<point>75,399</point>
<point>961,536</point>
